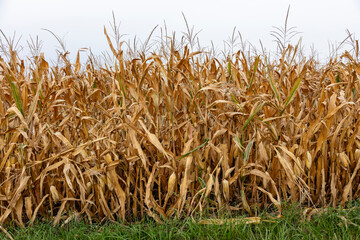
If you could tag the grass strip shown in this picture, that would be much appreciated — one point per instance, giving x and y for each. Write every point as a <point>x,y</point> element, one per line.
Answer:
<point>296,223</point>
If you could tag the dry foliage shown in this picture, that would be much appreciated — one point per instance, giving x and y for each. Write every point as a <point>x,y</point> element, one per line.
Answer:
<point>176,135</point>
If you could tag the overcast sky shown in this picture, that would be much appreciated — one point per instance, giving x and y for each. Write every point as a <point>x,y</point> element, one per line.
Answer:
<point>81,22</point>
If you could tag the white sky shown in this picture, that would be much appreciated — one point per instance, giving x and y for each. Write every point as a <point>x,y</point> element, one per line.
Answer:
<point>81,22</point>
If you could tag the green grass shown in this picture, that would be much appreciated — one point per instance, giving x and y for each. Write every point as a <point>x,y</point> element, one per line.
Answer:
<point>334,224</point>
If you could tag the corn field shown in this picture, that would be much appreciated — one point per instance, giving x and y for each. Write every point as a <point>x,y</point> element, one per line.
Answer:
<point>176,135</point>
